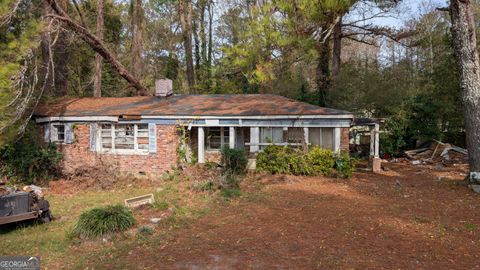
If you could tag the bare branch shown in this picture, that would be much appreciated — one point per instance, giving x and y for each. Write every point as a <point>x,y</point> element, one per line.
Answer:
<point>97,45</point>
<point>363,41</point>
<point>8,16</point>
<point>80,13</point>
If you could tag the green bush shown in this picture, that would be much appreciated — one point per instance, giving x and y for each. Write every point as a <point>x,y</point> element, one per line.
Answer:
<point>345,165</point>
<point>234,160</point>
<point>276,159</point>
<point>28,161</point>
<point>320,161</point>
<point>99,222</point>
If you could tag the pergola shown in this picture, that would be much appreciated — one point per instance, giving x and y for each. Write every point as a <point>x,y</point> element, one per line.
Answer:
<point>374,126</point>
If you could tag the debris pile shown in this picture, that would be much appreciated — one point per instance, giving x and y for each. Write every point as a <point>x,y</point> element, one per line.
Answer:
<point>4,190</point>
<point>437,152</point>
<point>35,190</point>
<point>93,176</point>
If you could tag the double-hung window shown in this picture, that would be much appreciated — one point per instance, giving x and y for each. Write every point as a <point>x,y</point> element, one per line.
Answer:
<point>217,137</point>
<point>270,135</point>
<point>323,137</point>
<point>124,138</point>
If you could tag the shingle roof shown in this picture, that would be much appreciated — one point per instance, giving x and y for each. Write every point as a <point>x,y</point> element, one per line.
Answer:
<point>184,105</point>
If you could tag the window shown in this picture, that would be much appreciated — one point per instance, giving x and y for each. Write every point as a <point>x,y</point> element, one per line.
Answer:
<point>295,136</point>
<point>270,135</point>
<point>58,133</point>
<point>124,137</point>
<point>217,137</point>
<point>322,137</point>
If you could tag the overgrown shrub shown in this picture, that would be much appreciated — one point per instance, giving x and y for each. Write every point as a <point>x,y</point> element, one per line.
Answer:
<point>28,161</point>
<point>99,222</point>
<point>230,186</point>
<point>234,160</point>
<point>320,161</point>
<point>276,159</point>
<point>345,165</point>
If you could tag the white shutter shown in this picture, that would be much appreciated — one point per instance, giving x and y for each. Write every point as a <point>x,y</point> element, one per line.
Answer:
<point>152,137</point>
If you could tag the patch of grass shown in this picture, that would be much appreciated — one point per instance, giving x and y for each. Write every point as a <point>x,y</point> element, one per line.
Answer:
<point>470,226</point>
<point>207,185</point>
<point>49,241</point>
<point>161,205</point>
<point>230,193</point>
<point>145,230</point>
<point>99,222</point>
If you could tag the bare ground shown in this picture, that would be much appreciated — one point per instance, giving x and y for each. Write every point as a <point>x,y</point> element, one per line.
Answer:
<point>408,218</point>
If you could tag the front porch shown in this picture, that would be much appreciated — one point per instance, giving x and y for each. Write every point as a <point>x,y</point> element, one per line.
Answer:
<point>207,141</point>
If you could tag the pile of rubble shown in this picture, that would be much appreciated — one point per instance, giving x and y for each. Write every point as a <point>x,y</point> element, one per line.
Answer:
<point>437,152</point>
<point>36,190</point>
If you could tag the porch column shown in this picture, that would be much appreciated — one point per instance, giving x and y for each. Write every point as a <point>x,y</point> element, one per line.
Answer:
<point>201,145</point>
<point>254,139</point>
<point>372,141</point>
<point>305,136</point>
<point>375,162</point>
<point>231,138</point>
<point>338,137</point>
<point>377,140</point>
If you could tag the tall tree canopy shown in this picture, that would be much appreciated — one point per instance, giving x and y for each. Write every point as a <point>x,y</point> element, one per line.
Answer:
<point>320,51</point>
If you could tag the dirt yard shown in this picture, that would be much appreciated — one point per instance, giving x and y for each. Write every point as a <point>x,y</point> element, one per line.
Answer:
<point>408,218</point>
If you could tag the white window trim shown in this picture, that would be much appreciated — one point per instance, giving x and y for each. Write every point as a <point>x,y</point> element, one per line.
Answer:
<point>113,150</point>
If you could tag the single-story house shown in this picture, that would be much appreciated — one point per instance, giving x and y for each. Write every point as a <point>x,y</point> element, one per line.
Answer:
<point>143,134</point>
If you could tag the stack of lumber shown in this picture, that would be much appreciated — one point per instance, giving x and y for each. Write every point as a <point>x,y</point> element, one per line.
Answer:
<point>438,152</point>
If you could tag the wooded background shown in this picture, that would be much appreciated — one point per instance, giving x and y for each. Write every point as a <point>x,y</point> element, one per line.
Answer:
<point>324,52</point>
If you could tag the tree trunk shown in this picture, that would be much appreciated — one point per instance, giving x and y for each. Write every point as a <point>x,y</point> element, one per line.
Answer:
<point>185,13</point>
<point>210,38</point>
<point>337,48</point>
<point>45,49</point>
<point>196,43</point>
<point>60,60</point>
<point>323,71</point>
<point>96,45</point>
<point>203,35</point>
<point>137,38</point>
<point>97,89</point>
<point>465,47</point>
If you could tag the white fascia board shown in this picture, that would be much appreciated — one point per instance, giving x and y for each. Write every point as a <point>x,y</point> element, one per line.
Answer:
<point>76,119</point>
<point>195,117</point>
<point>192,117</point>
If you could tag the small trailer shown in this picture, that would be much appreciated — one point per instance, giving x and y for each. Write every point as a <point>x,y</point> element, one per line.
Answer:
<point>20,206</point>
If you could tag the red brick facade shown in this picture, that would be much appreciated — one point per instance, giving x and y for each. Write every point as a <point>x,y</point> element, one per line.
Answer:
<point>78,153</point>
<point>345,139</point>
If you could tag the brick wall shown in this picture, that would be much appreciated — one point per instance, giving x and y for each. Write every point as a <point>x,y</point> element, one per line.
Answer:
<point>345,139</point>
<point>78,154</point>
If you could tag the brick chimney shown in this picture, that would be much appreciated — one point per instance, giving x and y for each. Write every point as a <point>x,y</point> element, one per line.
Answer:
<point>163,88</point>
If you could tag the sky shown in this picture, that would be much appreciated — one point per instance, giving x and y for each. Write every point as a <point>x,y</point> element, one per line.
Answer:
<point>405,11</point>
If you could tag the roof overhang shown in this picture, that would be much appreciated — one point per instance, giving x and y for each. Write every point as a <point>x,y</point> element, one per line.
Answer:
<point>183,117</point>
